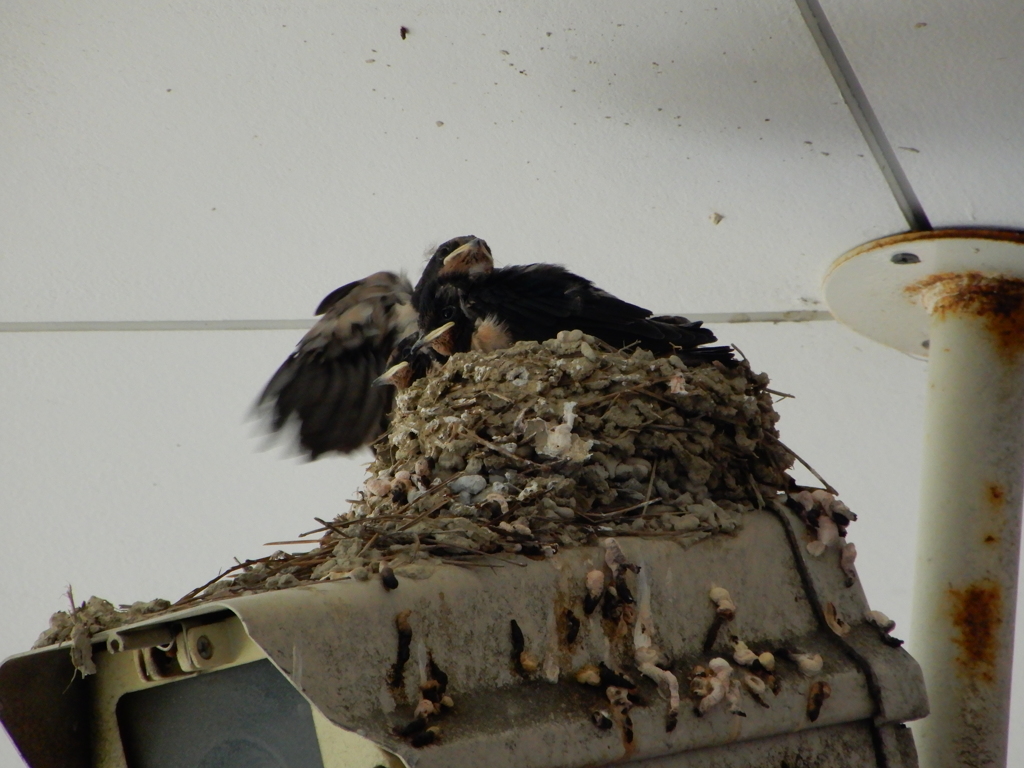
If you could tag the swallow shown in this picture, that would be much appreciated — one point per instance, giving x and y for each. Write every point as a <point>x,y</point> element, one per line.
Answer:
<point>379,334</point>
<point>338,385</point>
<point>335,384</point>
<point>464,303</point>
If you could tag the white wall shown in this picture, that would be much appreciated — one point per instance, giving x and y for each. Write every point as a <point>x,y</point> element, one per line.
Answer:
<point>236,161</point>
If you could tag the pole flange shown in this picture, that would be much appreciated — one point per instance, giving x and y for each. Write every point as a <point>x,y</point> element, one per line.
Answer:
<point>871,289</point>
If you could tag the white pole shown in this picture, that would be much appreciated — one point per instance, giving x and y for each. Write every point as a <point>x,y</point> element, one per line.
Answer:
<point>970,523</point>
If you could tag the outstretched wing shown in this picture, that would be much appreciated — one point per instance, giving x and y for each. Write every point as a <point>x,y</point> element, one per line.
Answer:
<point>327,384</point>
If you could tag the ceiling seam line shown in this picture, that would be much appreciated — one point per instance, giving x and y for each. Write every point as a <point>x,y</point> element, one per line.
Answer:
<point>119,326</point>
<point>863,115</point>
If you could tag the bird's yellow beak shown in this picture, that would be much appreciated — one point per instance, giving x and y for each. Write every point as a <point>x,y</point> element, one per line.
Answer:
<point>440,339</point>
<point>472,258</point>
<point>399,376</point>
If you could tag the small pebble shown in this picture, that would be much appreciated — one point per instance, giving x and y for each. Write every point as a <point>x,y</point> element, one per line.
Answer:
<point>471,484</point>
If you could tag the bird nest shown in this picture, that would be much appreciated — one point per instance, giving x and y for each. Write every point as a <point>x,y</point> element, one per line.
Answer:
<point>527,450</point>
<point>553,444</point>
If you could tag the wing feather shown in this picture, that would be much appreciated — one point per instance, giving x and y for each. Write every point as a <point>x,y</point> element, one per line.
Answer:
<point>326,384</point>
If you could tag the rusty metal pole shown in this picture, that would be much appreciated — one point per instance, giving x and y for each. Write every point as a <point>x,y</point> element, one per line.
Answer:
<point>957,296</point>
<point>969,529</point>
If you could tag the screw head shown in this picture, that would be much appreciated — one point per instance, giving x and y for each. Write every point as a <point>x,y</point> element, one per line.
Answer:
<point>204,647</point>
<point>905,258</point>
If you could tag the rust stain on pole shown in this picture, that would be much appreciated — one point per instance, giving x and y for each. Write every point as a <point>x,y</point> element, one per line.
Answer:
<point>977,612</point>
<point>996,496</point>
<point>995,502</point>
<point>999,301</point>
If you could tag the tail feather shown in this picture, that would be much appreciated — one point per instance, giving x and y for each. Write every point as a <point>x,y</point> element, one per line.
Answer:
<point>697,355</point>
<point>684,332</point>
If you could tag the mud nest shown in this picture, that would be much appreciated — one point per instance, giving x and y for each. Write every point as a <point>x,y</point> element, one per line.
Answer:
<point>533,448</point>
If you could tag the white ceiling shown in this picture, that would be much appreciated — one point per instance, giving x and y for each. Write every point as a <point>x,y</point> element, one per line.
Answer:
<point>236,161</point>
<point>947,83</point>
<point>240,164</point>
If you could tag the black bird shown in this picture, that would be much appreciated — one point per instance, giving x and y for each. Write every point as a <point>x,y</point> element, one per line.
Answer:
<point>378,333</point>
<point>464,303</point>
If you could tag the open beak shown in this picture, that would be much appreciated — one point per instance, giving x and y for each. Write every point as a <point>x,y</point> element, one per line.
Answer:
<point>439,339</point>
<point>399,376</point>
<point>472,258</point>
<point>463,250</point>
